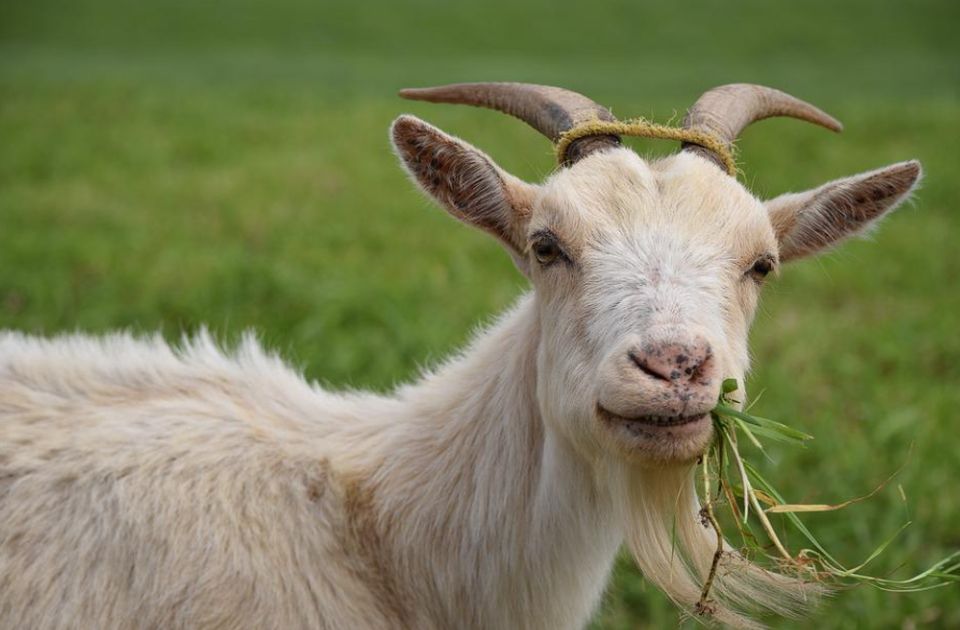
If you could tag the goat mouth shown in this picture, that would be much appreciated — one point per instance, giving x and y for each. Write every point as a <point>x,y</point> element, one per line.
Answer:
<point>656,426</point>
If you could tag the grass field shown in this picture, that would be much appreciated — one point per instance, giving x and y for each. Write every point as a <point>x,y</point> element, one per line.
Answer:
<point>174,163</point>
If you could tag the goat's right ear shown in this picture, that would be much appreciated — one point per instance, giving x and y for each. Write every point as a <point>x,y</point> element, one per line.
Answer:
<point>466,182</point>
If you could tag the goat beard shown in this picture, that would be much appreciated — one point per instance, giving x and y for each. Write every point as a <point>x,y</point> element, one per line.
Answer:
<point>674,549</point>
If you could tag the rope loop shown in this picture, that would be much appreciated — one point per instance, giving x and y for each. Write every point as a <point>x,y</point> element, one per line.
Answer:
<point>640,128</point>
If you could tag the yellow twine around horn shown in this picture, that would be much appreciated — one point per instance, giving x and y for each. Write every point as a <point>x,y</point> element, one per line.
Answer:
<point>641,128</point>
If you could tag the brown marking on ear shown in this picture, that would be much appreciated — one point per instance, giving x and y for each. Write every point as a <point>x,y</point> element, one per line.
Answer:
<point>806,223</point>
<point>464,180</point>
<point>783,220</point>
<point>520,196</point>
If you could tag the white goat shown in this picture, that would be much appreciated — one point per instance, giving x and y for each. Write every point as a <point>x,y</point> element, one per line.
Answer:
<point>145,487</point>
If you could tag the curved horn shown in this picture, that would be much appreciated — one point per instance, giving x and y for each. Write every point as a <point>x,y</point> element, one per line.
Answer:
<point>726,110</point>
<point>549,110</point>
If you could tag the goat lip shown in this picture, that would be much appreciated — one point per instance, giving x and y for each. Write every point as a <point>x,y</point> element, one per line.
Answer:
<point>660,439</point>
<point>650,421</point>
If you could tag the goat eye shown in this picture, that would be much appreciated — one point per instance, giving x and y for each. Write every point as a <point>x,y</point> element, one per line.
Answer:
<point>761,268</point>
<point>546,250</point>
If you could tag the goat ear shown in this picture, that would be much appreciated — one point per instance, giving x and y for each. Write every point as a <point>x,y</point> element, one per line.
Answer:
<point>809,222</point>
<point>465,182</point>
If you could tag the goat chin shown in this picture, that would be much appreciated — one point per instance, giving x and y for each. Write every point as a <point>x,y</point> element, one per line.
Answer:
<point>674,550</point>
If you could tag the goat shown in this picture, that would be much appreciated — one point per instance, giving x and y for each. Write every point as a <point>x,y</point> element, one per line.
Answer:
<point>148,487</point>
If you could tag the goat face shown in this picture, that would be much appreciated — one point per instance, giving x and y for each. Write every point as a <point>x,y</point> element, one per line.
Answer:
<point>646,276</point>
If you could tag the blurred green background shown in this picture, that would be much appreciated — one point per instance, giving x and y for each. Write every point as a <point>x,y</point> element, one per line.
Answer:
<point>170,163</point>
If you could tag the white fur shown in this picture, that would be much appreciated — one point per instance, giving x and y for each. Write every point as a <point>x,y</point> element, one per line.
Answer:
<point>147,487</point>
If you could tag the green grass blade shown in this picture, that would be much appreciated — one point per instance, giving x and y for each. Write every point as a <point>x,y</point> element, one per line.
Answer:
<point>757,421</point>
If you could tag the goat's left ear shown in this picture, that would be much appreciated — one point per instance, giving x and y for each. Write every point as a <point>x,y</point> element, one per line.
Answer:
<point>809,222</point>
<point>466,182</point>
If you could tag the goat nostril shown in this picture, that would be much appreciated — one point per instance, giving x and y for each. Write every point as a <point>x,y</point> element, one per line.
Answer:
<point>647,369</point>
<point>676,362</point>
<point>701,369</point>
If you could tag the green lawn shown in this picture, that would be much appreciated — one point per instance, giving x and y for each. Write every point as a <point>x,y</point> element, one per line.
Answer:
<point>169,164</point>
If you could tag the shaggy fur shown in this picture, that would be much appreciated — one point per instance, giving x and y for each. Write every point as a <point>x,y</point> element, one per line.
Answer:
<point>148,487</point>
